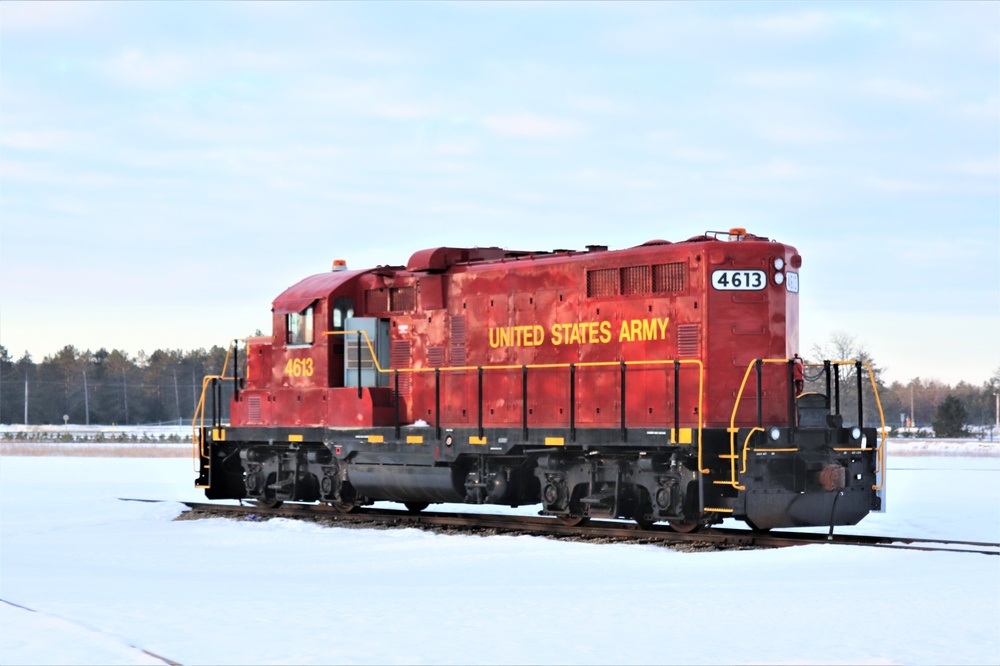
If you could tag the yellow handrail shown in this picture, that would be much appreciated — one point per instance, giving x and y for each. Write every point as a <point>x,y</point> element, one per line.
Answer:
<point>880,458</point>
<point>540,366</point>
<point>198,420</point>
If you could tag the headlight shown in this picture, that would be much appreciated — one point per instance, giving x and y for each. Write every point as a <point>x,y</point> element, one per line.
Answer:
<point>779,278</point>
<point>774,434</point>
<point>856,433</point>
<point>779,263</point>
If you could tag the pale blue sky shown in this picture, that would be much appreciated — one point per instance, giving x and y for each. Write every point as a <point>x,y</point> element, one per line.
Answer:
<point>166,169</point>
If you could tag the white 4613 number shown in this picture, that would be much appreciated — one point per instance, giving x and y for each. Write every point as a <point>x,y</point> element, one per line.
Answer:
<point>731,280</point>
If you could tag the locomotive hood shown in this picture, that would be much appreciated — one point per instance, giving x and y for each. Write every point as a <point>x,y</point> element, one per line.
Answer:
<point>302,294</point>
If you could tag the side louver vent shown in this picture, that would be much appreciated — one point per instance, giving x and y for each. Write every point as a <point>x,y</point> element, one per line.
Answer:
<point>688,340</point>
<point>399,358</point>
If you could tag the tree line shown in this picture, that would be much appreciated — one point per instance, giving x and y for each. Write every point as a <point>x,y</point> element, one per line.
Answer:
<point>102,387</point>
<point>915,405</point>
<point>163,387</point>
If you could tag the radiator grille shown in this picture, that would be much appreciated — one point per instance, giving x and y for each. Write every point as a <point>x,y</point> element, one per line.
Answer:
<point>635,280</point>
<point>670,277</point>
<point>402,299</point>
<point>376,301</point>
<point>393,299</point>
<point>602,282</point>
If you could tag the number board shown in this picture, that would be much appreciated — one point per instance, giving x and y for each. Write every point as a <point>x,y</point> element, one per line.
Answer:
<point>792,282</point>
<point>735,280</point>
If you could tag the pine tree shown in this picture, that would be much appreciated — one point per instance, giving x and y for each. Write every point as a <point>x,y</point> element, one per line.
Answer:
<point>949,420</point>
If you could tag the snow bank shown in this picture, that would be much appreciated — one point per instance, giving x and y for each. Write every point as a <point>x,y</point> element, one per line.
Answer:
<point>944,447</point>
<point>95,433</point>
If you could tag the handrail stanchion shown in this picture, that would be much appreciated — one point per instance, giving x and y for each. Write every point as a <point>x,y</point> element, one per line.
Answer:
<point>359,365</point>
<point>624,429</point>
<point>480,401</point>
<point>836,389</point>
<point>677,402</point>
<point>437,402</point>
<point>524,402</point>
<point>861,410</point>
<point>791,394</point>
<point>759,363</point>
<point>572,402</point>
<point>216,403</point>
<point>236,370</point>
<point>826,371</point>
<point>395,372</point>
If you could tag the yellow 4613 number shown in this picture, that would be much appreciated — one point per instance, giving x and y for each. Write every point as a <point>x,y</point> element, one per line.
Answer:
<point>299,367</point>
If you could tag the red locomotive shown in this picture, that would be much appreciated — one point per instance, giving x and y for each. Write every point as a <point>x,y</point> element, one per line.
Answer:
<point>656,383</point>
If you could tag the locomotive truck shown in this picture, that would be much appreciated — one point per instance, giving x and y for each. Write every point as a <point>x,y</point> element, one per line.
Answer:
<point>656,383</point>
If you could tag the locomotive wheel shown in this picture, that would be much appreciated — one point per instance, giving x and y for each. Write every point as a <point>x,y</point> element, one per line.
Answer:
<point>341,507</point>
<point>682,527</point>
<point>572,521</point>
<point>416,507</point>
<point>267,503</point>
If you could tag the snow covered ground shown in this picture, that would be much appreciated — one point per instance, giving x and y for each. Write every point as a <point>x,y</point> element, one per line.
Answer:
<point>107,579</point>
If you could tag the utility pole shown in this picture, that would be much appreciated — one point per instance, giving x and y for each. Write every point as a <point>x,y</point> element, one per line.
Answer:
<point>86,400</point>
<point>177,399</point>
<point>125,394</point>
<point>913,417</point>
<point>26,400</point>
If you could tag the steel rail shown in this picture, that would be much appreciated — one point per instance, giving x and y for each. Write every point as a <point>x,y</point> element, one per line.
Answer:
<point>595,529</point>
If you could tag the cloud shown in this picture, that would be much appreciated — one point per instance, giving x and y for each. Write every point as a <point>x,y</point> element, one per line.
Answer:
<point>900,186</point>
<point>405,111</point>
<point>987,109</point>
<point>529,126</point>
<point>46,17</point>
<point>704,155</point>
<point>162,70</point>
<point>779,79</point>
<point>43,139</point>
<point>800,134</point>
<point>598,104</point>
<point>166,69</point>
<point>988,167</point>
<point>899,90</point>
<point>803,24</point>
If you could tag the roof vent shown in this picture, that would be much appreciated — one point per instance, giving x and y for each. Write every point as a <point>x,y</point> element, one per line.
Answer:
<point>597,248</point>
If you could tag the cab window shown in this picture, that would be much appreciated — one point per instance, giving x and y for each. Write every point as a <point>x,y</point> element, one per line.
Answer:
<point>299,327</point>
<point>343,308</point>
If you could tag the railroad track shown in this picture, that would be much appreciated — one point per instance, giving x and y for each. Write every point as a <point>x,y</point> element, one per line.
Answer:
<point>604,530</point>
